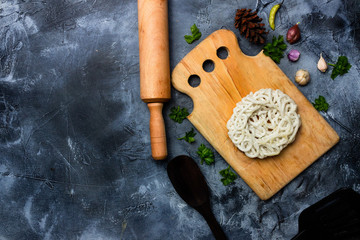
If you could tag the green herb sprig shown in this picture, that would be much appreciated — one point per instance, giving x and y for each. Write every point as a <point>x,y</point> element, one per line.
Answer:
<point>341,67</point>
<point>275,49</point>
<point>320,104</point>
<point>189,136</point>
<point>228,176</point>
<point>205,154</point>
<point>196,35</point>
<point>178,114</point>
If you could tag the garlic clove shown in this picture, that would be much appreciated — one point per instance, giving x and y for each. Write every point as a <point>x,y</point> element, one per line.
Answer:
<point>322,65</point>
<point>302,77</point>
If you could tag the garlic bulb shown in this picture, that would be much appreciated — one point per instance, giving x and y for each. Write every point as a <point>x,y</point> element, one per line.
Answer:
<point>321,65</point>
<point>302,77</point>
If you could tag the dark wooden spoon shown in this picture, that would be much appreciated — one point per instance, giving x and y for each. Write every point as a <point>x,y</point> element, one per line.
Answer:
<point>190,184</point>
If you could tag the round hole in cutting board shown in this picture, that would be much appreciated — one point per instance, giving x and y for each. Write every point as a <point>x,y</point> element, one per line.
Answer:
<point>208,65</point>
<point>222,52</point>
<point>194,80</point>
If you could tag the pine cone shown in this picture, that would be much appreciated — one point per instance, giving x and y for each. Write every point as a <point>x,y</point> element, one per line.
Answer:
<point>249,24</point>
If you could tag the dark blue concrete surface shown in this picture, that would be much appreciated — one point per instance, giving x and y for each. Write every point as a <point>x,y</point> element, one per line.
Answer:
<point>74,141</point>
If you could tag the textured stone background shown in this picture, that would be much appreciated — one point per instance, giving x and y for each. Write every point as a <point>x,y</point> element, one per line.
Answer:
<point>74,141</point>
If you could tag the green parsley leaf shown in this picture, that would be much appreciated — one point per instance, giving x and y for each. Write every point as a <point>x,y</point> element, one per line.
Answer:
<point>205,154</point>
<point>189,136</point>
<point>228,176</point>
<point>275,50</point>
<point>196,35</point>
<point>177,114</point>
<point>320,104</point>
<point>341,67</point>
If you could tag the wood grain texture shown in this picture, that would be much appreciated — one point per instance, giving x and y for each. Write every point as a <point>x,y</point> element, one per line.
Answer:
<point>154,50</point>
<point>217,95</point>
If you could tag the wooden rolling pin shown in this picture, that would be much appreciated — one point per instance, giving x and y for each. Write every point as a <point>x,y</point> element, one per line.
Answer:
<point>154,68</point>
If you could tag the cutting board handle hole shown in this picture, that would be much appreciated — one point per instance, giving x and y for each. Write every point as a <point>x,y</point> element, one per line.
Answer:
<point>194,80</point>
<point>222,53</point>
<point>208,65</point>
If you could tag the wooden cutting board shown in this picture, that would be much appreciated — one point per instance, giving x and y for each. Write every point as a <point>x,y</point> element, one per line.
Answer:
<point>217,95</point>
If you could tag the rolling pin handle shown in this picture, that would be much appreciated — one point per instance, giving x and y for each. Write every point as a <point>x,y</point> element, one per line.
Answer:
<point>157,131</point>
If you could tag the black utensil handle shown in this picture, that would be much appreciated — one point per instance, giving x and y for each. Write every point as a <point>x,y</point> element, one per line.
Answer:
<point>215,226</point>
<point>212,222</point>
